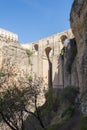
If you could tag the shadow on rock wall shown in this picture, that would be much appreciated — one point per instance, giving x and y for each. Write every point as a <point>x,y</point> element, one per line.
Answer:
<point>67,67</point>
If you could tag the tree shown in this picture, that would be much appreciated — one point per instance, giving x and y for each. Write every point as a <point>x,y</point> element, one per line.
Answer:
<point>15,103</point>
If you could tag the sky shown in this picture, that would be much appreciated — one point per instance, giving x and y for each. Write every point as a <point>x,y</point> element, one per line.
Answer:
<point>35,19</point>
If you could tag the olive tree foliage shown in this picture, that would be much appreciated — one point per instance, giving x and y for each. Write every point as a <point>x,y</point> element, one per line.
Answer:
<point>15,103</point>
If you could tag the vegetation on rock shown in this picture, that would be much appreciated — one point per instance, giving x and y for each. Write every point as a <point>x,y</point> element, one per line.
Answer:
<point>62,53</point>
<point>69,95</point>
<point>15,103</point>
<point>2,73</point>
<point>29,52</point>
<point>83,122</point>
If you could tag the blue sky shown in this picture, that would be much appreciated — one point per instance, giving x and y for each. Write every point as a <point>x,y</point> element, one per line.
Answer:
<point>35,19</point>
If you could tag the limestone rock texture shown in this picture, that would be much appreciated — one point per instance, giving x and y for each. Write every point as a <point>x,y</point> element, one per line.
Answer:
<point>14,63</point>
<point>70,65</point>
<point>78,19</point>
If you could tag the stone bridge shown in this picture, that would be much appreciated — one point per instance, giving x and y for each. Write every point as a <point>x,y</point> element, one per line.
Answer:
<point>46,61</point>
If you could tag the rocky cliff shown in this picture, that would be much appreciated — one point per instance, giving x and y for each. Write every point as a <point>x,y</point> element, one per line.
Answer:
<point>14,67</point>
<point>14,63</point>
<point>78,19</point>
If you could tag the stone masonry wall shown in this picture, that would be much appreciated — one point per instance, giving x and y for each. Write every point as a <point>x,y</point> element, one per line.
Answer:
<point>49,68</point>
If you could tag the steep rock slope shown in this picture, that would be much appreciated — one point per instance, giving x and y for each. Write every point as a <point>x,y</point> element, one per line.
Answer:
<point>78,19</point>
<point>14,68</point>
<point>14,63</point>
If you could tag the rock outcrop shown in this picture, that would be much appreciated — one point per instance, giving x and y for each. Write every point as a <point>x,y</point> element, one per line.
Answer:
<point>78,19</point>
<point>70,65</point>
<point>14,64</point>
<point>14,68</point>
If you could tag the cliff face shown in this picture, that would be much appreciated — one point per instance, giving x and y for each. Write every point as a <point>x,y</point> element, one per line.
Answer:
<point>14,68</point>
<point>70,65</point>
<point>78,19</point>
<point>14,63</point>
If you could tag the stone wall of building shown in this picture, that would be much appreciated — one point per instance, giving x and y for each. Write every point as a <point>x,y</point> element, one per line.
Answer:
<point>8,36</point>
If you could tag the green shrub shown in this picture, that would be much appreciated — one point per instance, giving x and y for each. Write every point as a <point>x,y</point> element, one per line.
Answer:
<point>29,52</point>
<point>30,78</point>
<point>68,112</point>
<point>52,99</point>
<point>69,94</point>
<point>56,126</point>
<point>53,127</point>
<point>2,74</point>
<point>62,52</point>
<point>51,105</point>
<point>47,108</point>
<point>83,123</point>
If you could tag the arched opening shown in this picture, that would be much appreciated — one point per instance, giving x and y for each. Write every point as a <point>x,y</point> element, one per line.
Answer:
<point>65,40</point>
<point>36,47</point>
<point>48,51</point>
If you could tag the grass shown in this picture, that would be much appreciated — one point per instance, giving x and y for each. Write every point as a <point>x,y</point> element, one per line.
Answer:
<point>83,123</point>
<point>53,127</point>
<point>58,125</point>
<point>67,114</point>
